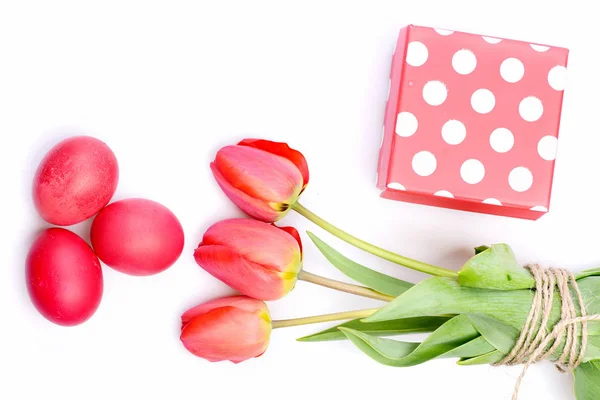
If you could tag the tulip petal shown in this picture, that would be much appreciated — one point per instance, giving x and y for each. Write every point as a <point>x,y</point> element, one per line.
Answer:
<point>242,302</point>
<point>260,174</point>
<point>226,333</point>
<point>258,242</point>
<point>255,208</point>
<point>283,150</point>
<point>294,233</point>
<point>248,278</point>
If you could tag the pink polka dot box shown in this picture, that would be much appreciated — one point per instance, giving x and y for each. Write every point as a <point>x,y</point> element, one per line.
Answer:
<point>472,122</point>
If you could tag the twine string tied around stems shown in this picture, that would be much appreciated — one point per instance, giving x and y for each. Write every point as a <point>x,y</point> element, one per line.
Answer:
<point>537,341</point>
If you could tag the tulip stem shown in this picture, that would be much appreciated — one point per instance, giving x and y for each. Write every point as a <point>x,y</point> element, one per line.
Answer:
<point>343,287</point>
<point>370,248</point>
<point>284,323</point>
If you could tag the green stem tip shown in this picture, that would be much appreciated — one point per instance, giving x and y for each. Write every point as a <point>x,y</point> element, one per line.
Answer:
<point>343,287</point>
<point>284,323</point>
<point>370,248</point>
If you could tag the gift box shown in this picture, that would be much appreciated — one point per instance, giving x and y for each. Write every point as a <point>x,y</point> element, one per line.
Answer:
<point>472,122</point>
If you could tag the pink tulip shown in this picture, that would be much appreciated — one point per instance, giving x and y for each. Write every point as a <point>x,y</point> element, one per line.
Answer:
<point>232,328</point>
<point>263,178</point>
<point>258,259</point>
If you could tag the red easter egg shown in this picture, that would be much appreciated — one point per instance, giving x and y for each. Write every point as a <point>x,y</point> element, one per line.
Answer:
<point>75,180</point>
<point>64,277</point>
<point>137,236</point>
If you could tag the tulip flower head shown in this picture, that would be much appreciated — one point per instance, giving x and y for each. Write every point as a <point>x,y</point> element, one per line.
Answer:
<point>232,329</point>
<point>263,178</point>
<point>256,258</point>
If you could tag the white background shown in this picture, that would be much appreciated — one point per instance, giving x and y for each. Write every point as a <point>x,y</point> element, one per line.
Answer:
<point>165,84</point>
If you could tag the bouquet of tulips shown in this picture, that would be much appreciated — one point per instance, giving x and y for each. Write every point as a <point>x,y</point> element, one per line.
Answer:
<point>492,311</point>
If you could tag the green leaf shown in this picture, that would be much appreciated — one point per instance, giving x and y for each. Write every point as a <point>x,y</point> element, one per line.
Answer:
<point>454,333</point>
<point>489,358</point>
<point>590,290</point>
<point>587,381</point>
<point>375,280</point>
<point>474,348</point>
<point>495,268</point>
<point>444,296</point>
<point>586,273</point>
<point>397,349</point>
<point>481,249</point>
<point>440,296</point>
<point>592,351</point>
<point>385,328</point>
<point>503,337</point>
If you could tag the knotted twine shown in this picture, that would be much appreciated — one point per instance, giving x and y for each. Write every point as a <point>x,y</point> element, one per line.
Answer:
<point>536,342</point>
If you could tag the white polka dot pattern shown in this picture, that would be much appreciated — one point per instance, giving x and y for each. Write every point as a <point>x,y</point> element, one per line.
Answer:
<point>540,48</point>
<point>417,54</point>
<point>476,120</point>
<point>454,132</point>
<point>424,163</point>
<point>435,93</point>
<point>557,77</point>
<point>464,61</point>
<point>547,147</point>
<point>396,186</point>
<point>472,171</point>
<point>539,208</point>
<point>444,193</point>
<point>502,140</point>
<point>512,70</point>
<point>483,101</point>
<point>406,124</point>
<point>493,201</point>
<point>531,109</point>
<point>444,32</point>
<point>491,40</point>
<point>520,179</point>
